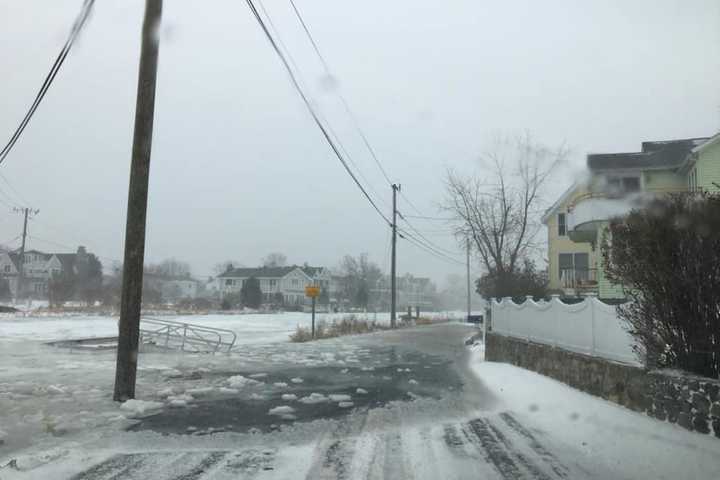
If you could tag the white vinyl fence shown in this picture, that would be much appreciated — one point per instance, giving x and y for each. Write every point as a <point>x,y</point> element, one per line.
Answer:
<point>590,327</point>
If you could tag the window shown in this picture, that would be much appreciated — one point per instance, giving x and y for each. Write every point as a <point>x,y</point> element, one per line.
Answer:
<point>273,283</point>
<point>295,282</point>
<point>619,186</point>
<point>573,266</point>
<point>228,282</point>
<point>7,268</point>
<point>562,224</point>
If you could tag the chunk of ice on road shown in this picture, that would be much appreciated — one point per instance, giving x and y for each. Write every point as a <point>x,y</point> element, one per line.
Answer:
<point>55,390</point>
<point>367,369</point>
<point>339,397</point>
<point>138,408</point>
<point>297,380</point>
<point>200,391</point>
<point>344,370</point>
<point>412,381</point>
<point>257,396</point>
<point>238,381</point>
<point>314,398</point>
<point>166,392</point>
<point>281,410</point>
<point>172,373</point>
<point>258,375</point>
<point>227,390</point>
<point>280,384</point>
<point>288,397</point>
<point>361,391</point>
<point>345,404</point>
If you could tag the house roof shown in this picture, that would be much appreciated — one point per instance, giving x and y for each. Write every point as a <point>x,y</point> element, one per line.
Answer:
<point>269,272</point>
<point>67,260</point>
<point>563,198</point>
<point>265,272</point>
<point>663,154</point>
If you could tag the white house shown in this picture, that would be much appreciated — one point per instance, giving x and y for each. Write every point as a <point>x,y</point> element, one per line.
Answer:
<point>286,283</point>
<point>38,267</point>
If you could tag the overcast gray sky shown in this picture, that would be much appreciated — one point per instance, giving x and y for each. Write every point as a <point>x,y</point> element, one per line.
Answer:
<point>238,167</point>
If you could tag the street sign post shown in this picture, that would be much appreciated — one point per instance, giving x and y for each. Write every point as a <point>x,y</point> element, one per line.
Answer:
<point>312,291</point>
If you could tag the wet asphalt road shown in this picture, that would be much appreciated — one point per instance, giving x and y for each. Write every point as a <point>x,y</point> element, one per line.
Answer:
<point>395,366</point>
<point>425,416</point>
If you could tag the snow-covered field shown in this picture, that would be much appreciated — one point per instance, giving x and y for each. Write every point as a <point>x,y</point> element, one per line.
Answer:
<point>250,328</point>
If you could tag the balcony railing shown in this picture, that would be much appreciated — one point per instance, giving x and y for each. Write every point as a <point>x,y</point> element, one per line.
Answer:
<point>579,278</point>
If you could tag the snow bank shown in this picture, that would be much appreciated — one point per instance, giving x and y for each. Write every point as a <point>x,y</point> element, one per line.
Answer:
<point>636,445</point>
<point>339,397</point>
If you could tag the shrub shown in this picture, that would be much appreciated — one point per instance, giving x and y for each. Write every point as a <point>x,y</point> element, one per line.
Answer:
<point>667,257</point>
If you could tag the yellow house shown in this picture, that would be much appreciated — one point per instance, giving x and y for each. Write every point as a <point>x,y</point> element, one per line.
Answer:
<point>619,182</point>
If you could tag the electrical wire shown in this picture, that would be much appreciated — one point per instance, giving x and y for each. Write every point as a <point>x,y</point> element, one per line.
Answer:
<point>405,235</point>
<point>344,102</point>
<point>16,193</point>
<point>427,240</point>
<point>74,32</point>
<point>305,100</point>
<point>336,137</point>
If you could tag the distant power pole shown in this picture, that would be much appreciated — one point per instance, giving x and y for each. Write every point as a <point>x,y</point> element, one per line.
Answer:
<point>130,302</point>
<point>469,291</point>
<point>393,272</point>
<point>21,260</point>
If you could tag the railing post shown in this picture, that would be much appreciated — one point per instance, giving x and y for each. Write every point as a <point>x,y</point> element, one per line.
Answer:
<point>182,347</point>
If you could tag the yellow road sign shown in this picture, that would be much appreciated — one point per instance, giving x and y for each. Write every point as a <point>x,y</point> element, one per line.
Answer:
<point>312,291</point>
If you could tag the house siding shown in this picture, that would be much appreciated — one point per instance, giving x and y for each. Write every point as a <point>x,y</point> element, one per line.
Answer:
<point>558,244</point>
<point>708,168</point>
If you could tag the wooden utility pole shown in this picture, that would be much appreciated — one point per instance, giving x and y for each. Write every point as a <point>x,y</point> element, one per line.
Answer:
<point>21,260</point>
<point>393,273</point>
<point>130,302</point>
<point>469,291</point>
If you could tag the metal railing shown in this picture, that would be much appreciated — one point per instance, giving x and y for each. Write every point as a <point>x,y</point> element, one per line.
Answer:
<point>185,336</point>
<point>578,278</point>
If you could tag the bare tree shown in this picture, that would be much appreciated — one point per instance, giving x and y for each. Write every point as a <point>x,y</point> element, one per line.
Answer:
<point>274,259</point>
<point>499,209</point>
<point>223,267</point>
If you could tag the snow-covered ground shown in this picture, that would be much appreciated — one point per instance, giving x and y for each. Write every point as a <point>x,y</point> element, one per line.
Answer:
<point>250,328</point>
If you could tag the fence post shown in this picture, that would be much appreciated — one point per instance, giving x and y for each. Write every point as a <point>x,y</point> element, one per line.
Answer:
<point>591,298</point>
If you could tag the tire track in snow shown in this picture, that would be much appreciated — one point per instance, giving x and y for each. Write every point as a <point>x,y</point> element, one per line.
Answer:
<point>478,433</point>
<point>557,467</point>
<point>534,470</point>
<point>334,452</point>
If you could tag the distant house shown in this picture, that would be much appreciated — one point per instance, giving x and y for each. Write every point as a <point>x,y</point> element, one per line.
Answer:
<point>411,292</point>
<point>172,288</point>
<point>287,283</point>
<point>39,268</point>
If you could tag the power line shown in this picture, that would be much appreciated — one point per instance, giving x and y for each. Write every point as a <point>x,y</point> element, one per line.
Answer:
<point>74,32</point>
<point>405,235</point>
<point>428,246</point>
<point>423,217</point>
<point>16,193</point>
<point>305,100</point>
<point>294,65</point>
<point>352,116</point>
<point>427,240</point>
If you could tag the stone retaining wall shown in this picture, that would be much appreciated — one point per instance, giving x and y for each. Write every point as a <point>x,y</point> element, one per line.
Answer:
<point>691,402</point>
